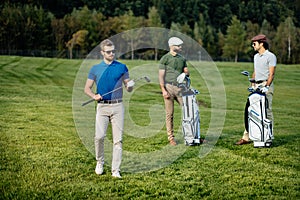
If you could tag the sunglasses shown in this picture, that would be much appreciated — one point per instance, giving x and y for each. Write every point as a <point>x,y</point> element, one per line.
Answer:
<point>109,52</point>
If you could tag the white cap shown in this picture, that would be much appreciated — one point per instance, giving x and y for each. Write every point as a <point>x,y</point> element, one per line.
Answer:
<point>175,41</point>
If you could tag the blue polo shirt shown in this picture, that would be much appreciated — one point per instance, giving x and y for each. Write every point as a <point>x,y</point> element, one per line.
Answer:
<point>108,78</point>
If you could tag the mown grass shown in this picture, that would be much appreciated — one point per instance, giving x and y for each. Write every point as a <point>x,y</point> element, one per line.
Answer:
<point>42,156</point>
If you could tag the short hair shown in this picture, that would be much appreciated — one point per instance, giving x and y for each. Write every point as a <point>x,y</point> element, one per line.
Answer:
<point>106,42</point>
<point>266,45</point>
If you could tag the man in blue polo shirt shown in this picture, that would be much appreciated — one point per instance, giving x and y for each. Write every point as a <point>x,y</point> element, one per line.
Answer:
<point>108,76</point>
<point>264,72</point>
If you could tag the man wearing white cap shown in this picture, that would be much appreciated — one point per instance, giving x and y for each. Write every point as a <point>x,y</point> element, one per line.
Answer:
<point>264,72</point>
<point>171,66</point>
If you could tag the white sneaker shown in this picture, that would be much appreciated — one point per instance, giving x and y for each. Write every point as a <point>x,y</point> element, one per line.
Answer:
<point>99,168</point>
<point>116,175</point>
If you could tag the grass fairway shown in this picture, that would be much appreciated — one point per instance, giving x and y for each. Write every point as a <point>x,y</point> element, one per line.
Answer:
<point>42,156</point>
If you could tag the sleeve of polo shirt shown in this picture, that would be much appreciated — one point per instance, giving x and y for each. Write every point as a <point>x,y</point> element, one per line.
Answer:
<point>92,75</point>
<point>272,61</point>
<point>126,73</point>
<point>162,63</point>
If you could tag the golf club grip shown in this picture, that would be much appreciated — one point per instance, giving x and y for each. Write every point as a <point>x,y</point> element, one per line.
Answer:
<point>87,102</point>
<point>91,100</point>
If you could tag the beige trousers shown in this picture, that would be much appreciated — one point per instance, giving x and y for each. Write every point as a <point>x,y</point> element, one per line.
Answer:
<point>114,114</point>
<point>174,93</point>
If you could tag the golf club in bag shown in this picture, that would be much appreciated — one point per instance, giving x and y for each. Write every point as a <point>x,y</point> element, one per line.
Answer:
<point>190,112</point>
<point>135,80</point>
<point>260,128</point>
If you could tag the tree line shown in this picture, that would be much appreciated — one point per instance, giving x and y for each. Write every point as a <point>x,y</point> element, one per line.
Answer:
<point>73,28</point>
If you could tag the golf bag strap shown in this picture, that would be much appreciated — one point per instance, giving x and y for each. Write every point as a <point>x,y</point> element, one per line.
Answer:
<point>246,115</point>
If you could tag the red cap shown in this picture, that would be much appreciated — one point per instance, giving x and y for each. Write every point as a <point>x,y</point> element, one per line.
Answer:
<point>261,38</point>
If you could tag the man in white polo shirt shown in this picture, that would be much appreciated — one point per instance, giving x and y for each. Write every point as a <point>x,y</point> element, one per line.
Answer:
<point>264,72</point>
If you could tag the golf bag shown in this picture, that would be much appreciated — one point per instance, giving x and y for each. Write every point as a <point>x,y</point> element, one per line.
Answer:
<point>258,126</point>
<point>190,115</point>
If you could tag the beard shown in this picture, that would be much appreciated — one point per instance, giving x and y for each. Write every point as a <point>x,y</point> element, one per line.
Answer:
<point>109,58</point>
<point>177,50</point>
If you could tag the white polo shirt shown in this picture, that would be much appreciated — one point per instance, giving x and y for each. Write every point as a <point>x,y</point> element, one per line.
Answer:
<point>262,63</point>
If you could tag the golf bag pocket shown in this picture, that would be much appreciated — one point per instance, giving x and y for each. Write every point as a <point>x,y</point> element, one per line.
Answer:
<point>268,128</point>
<point>260,131</point>
<point>187,129</point>
<point>190,120</point>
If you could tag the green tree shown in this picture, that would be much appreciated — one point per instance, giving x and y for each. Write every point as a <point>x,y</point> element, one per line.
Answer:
<point>181,12</point>
<point>96,31</point>
<point>199,29</point>
<point>78,38</point>
<point>183,28</point>
<point>257,11</point>
<point>286,41</point>
<point>27,20</point>
<point>154,18</point>
<point>113,8</point>
<point>220,44</point>
<point>130,23</point>
<point>94,23</point>
<point>267,29</point>
<point>234,40</point>
<point>81,19</point>
<point>220,13</point>
<point>11,20</point>
<point>209,41</point>
<point>154,21</point>
<point>25,28</point>
<point>58,28</point>
<point>252,29</point>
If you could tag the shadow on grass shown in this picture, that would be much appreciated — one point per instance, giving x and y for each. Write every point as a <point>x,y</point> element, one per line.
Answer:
<point>228,140</point>
<point>281,140</point>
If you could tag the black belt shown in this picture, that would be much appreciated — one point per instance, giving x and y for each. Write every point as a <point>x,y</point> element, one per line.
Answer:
<point>259,82</point>
<point>110,101</point>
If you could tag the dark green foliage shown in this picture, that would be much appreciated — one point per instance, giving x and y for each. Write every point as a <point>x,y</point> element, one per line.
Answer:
<point>42,28</point>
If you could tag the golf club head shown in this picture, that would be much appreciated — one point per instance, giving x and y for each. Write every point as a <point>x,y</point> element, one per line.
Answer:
<point>147,79</point>
<point>245,73</point>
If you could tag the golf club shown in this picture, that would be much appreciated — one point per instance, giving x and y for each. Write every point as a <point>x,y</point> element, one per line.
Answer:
<point>135,80</point>
<point>246,73</point>
<point>251,80</point>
